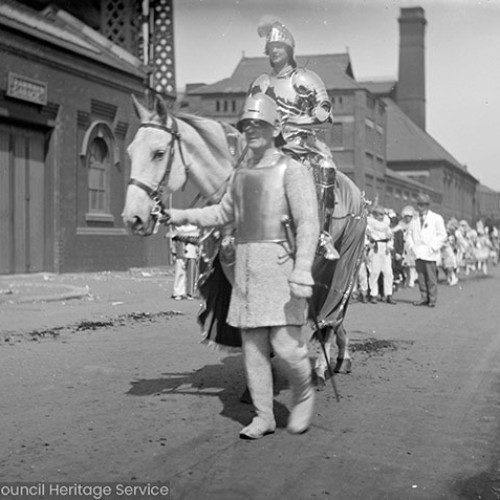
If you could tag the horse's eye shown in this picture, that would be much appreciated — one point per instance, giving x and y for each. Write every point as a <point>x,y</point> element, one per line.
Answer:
<point>158,154</point>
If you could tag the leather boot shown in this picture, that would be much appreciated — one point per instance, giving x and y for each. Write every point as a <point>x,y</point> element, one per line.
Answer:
<point>256,358</point>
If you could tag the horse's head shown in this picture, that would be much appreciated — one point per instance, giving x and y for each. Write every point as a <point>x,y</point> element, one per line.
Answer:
<point>157,165</point>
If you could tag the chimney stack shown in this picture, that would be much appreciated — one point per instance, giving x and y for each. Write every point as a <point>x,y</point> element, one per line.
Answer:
<point>411,78</point>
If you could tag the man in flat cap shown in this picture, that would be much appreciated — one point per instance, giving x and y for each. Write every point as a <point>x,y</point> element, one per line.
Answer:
<point>426,236</point>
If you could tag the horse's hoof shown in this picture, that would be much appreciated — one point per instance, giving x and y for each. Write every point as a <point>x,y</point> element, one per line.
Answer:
<point>320,384</point>
<point>346,364</point>
<point>338,366</point>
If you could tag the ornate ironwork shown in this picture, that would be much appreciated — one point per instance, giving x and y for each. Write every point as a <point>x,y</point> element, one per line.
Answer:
<point>162,57</point>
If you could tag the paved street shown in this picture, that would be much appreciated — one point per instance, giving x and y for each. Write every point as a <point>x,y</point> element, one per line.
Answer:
<point>107,381</point>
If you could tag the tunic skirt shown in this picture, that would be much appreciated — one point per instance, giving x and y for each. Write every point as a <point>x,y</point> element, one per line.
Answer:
<point>261,293</point>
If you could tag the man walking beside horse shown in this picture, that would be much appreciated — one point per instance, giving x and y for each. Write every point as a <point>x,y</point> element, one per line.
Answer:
<point>272,270</point>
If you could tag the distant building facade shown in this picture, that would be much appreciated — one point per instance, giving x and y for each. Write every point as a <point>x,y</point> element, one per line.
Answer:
<point>358,137</point>
<point>488,202</point>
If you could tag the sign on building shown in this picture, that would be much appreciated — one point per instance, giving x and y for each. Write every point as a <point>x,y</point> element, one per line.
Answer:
<point>27,89</point>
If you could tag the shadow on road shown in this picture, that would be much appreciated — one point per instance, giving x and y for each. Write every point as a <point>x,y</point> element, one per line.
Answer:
<point>225,381</point>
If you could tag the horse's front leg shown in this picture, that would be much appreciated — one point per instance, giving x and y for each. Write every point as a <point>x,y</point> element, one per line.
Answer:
<point>321,363</point>
<point>344,362</point>
<point>343,357</point>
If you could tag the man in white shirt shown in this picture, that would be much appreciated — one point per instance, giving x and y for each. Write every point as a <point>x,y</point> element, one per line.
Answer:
<point>379,234</point>
<point>426,236</point>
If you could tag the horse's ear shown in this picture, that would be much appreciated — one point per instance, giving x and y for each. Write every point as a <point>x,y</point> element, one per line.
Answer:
<point>139,109</point>
<point>161,108</point>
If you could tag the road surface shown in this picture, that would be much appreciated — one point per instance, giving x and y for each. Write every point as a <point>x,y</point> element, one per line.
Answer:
<point>137,398</point>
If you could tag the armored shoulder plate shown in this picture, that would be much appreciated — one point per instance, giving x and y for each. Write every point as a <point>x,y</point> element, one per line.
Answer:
<point>308,82</point>
<point>260,84</point>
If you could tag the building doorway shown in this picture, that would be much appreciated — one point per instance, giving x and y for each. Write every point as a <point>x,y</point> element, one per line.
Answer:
<point>22,200</point>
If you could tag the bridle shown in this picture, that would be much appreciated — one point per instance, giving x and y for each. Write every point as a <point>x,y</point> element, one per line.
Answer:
<point>158,212</point>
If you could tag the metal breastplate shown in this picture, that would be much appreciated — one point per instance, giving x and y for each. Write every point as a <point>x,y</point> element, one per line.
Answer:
<point>260,201</point>
<point>297,93</point>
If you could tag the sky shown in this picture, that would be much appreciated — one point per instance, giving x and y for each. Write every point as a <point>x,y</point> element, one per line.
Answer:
<point>462,52</point>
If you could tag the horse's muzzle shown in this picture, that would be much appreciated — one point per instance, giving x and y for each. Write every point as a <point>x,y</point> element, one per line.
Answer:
<point>139,227</point>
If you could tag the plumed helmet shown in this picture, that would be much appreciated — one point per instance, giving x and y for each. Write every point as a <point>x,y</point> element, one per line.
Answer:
<point>275,31</point>
<point>260,107</point>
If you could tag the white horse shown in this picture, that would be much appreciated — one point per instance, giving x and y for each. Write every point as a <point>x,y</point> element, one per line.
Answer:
<point>168,149</point>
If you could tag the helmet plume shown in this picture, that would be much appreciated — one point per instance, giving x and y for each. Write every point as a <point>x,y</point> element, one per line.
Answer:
<point>266,25</point>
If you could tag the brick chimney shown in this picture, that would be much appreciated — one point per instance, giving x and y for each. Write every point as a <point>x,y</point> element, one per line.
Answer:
<point>411,78</point>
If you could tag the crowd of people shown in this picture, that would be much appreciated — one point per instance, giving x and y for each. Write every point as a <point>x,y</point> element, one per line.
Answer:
<point>390,261</point>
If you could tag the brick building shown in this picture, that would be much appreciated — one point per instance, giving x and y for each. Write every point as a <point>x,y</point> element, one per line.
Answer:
<point>66,119</point>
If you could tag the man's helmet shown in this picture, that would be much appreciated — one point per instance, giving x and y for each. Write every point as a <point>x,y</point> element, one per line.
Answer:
<point>260,107</point>
<point>275,31</point>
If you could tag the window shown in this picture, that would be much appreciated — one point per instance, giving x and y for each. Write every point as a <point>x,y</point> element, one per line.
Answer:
<point>337,102</point>
<point>99,156</point>
<point>370,102</point>
<point>337,135</point>
<point>369,159</point>
<point>369,134</point>
<point>99,167</point>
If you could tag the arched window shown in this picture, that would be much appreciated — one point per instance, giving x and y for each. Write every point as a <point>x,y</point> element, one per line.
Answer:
<point>99,166</point>
<point>99,155</point>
